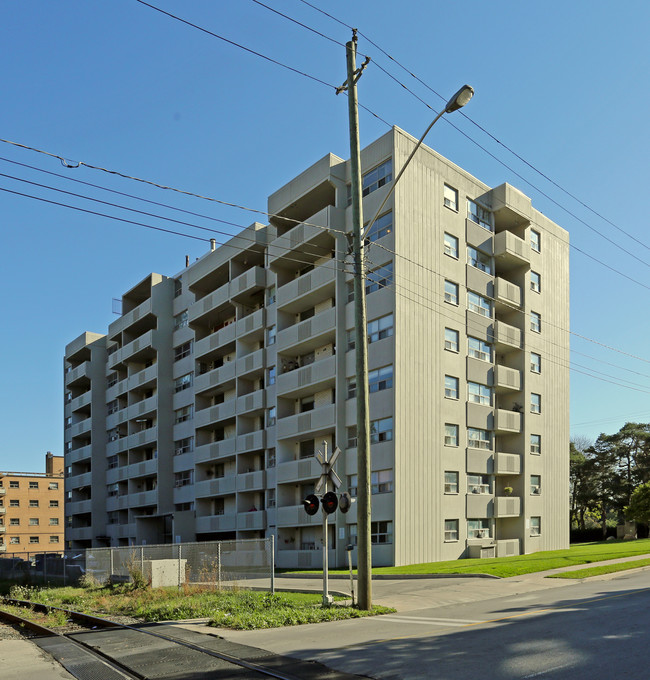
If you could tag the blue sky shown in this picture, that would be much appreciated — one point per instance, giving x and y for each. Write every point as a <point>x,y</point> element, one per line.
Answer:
<point>118,85</point>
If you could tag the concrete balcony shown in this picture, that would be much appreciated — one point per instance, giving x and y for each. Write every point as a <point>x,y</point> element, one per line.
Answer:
<point>507,464</point>
<point>249,282</point>
<point>302,559</point>
<point>506,338</point>
<point>128,319</point>
<point>253,323</point>
<point>130,351</point>
<point>218,376</point>
<point>3,529</point>
<point>215,451</point>
<point>3,511</point>
<point>144,469</point>
<point>79,481</point>
<point>250,363</point>
<point>295,515</point>
<point>506,378</point>
<point>251,403</point>
<point>507,506</point>
<point>140,439</point>
<point>146,406</point>
<point>314,286</point>
<point>83,426</point>
<point>79,534</point>
<point>252,441</point>
<point>297,470</point>
<point>78,507</point>
<point>3,491</point>
<point>253,520</point>
<point>251,481</point>
<point>81,401</point>
<point>312,422</point>
<point>137,500</point>
<point>222,486</point>
<point>508,547</point>
<point>117,474</point>
<point>215,340</point>
<point>510,251</point>
<point>507,421</point>
<point>3,547</point>
<point>512,208</point>
<point>480,505</point>
<point>506,295</point>
<point>78,375</point>
<point>309,334</point>
<point>480,461</point>
<point>209,303</point>
<point>307,380</point>
<point>145,377</point>
<point>216,523</point>
<point>215,414</point>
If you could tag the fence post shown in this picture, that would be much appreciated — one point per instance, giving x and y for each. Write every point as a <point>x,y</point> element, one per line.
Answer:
<point>179,566</point>
<point>111,560</point>
<point>44,569</point>
<point>142,560</point>
<point>219,565</point>
<point>273,564</point>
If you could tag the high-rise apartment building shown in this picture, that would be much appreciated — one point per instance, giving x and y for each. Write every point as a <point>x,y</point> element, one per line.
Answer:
<point>31,509</point>
<point>197,416</point>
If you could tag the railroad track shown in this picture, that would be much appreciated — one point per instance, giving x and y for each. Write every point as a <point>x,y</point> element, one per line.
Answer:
<point>99,648</point>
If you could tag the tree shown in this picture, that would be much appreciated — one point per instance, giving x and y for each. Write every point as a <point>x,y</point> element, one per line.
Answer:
<point>639,508</point>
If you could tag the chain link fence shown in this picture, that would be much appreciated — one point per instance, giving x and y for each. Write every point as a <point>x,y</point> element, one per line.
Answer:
<point>216,564</point>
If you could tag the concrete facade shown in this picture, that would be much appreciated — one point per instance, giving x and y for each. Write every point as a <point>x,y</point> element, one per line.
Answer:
<point>31,509</point>
<point>197,415</point>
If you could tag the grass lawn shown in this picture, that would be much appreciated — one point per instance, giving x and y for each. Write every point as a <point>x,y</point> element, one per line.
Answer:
<point>603,569</point>
<point>241,610</point>
<point>581,553</point>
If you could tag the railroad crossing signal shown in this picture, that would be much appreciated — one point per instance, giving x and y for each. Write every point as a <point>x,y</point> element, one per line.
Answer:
<point>328,473</point>
<point>345,502</point>
<point>330,502</point>
<point>311,504</point>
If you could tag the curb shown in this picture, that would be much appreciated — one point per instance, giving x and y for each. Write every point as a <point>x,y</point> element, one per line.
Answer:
<point>388,577</point>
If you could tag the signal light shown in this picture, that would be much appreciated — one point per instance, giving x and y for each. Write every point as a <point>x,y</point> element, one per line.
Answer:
<point>330,502</point>
<point>311,504</point>
<point>345,502</point>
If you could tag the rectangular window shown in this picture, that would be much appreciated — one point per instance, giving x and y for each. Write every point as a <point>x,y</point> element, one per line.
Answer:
<point>270,376</point>
<point>183,414</point>
<point>111,462</point>
<point>270,295</point>
<point>33,504</point>
<point>382,227</point>
<point>33,485</point>
<point>381,532</point>
<point>112,379</point>
<point>380,379</point>
<point>381,481</point>
<point>54,504</point>
<point>270,458</point>
<point>380,328</point>
<point>112,489</point>
<point>451,292</point>
<point>33,539</point>
<point>451,245</point>
<point>54,539</point>
<point>112,407</point>
<point>450,196</point>
<point>477,303</point>
<point>478,528</point>
<point>535,485</point>
<point>184,478</point>
<point>535,403</point>
<point>479,349</point>
<point>479,215</point>
<point>270,336</point>
<point>478,484</point>
<point>535,362</point>
<point>183,383</point>
<point>536,322</point>
<point>54,521</point>
<point>270,416</point>
<point>535,240</point>
<point>270,498</point>
<point>178,287</point>
<point>185,445</point>
<point>377,178</point>
<point>181,320</point>
<point>33,521</point>
<point>451,530</point>
<point>535,526</point>
<point>14,521</point>
<point>535,282</point>
<point>14,484</point>
<point>451,434</point>
<point>479,260</point>
<point>479,394</point>
<point>380,278</point>
<point>451,387</point>
<point>306,449</point>
<point>479,439</point>
<point>14,503</point>
<point>183,350</point>
<point>536,444</point>
<point>451,482</point>
<point>380,431</point>
<point>451,340</point>
<point>14,540</point>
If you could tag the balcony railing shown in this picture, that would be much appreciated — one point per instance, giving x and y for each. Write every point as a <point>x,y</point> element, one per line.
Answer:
<point>320,419</point>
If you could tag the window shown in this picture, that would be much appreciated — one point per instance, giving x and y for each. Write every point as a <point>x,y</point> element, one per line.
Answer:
<point>14,522</point>
<point>381,532</point>
<point>535,362</point>
<point>477,303</point>
<point>451,292</point>
<point>112,407</point>
<point>183,383</point>
<point>479,394</point>
<point>451,530</point>
<point>451,434</point>
<point>33,485</point>
<point>479,260</point>
<point>183,414</point>
<point>535,485</point>
<point>183,350</point>
<point>536,322</point>
<point>54,521</point>
<point>54,539</point>
<point>381,481</point>
<point>270,498</point>
<point>270,376</point>
<point>535,526</point>
<point>535,282</point>
<point>33,504</point>
<point>181,320</point>
<point>306,448</point>
<point>14,540</point>
<point>478,528</point>
<point>535,240</point>
<point>536,444</point>
<point>111,462</point>
<point>54,504</point>
<point>450,196</point>
<point>377,178</point>
<point>270,458</point>
<point>451,482</point>
<point>451,387</point>
<point>382,226</point>
<point>14,484</point>
<point>184,478</point>
<point>380,379</point>
<point>185,445</point>
<point>478,484</point>
<point>380,328</point>
<point>270,295</point>
<point>33,539</point>
<point>14,503</point>
<point>381,277</point>
<point>112,489</point>
<point>535,403</point>
<point>270,336</point>
<point>381,430</point>
<point>451,245</point>
<point>478,439</point>
<point>479,215</point>
<point>33,521</point>
<point>270,416</point>
<point>112,379</point>
<point>178,287</point>
<point>479,349</point>
<point>451,340</point>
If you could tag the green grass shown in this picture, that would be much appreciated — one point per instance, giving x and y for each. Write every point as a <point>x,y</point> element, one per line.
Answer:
<point>241,610</point>
<point>581,553</point>
<point>604,569</point>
